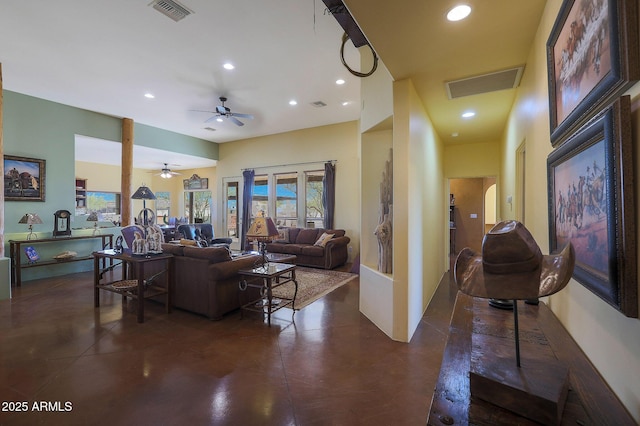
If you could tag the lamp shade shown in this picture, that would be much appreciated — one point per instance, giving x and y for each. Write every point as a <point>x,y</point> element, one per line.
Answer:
<point>30,219</point>
<point>93,217</point>
<point>143,193</point>
<point>262,228</point>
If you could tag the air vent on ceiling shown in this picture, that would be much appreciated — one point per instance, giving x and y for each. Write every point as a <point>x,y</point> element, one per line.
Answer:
<point>318,104</point>
<point>171,8</point>
<point>211,129</point>
<point>485,83</point>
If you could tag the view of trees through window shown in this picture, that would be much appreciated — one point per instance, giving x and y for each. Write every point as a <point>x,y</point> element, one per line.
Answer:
<point>260,201</point>
<point>197,206</point>
<point>287,197</point>
<point>106,204</point>
<point>292,189</point>
<point>314,191</point>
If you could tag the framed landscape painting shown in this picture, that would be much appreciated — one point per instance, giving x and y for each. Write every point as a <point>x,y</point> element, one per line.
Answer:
<point>592,57</point>
<point>24,179</point>
<point>591,205</point>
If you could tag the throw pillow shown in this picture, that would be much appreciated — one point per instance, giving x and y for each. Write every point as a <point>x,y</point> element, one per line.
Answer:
<point>307,236</point>
<point>323,240</point>
<point>283,236</point>
<point>185,242</point>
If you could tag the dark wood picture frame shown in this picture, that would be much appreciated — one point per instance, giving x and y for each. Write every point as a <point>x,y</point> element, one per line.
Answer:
<point>24,178</point>
<point>592,57</point>
<point>195,182</point>
<point>591,204</point>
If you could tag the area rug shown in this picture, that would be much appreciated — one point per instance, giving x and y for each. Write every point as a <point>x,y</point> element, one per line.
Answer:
<point>313,284</point>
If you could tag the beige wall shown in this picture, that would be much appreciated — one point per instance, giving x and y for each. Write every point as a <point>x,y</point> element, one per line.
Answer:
<point>609,339</point>
<point>316,145</point>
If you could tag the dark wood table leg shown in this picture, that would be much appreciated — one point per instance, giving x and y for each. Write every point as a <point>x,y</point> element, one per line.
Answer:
<point>140,276</point>
<point>96,281</point>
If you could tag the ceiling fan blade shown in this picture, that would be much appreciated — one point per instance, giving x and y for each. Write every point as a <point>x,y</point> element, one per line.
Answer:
<point>200,110</point>
<point>237,114</point>
<point>222,109</point>
<point>235,120</point>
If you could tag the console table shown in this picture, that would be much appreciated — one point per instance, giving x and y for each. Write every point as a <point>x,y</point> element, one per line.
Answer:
<point>590,400</point>
<point>268,277</point>
<point>16,253</point>
<point>133,269</point>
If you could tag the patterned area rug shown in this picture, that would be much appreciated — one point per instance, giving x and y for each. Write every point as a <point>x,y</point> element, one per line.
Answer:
<point>313,284</point>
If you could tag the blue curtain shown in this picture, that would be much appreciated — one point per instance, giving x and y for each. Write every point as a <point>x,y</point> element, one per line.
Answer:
<point>329,193</point>
<point>247,196</point>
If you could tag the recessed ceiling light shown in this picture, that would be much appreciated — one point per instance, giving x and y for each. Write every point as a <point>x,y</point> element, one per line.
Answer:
<point>149,95</point>
<point>340,81</point>
<point>458,13</point>
<point>228,66</point>
<point>345,103</point>
<point>293,102</point>
<point>454,134</point>
<point>468,114</point>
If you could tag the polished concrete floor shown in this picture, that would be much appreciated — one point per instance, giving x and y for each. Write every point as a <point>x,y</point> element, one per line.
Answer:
<point>65,363</point>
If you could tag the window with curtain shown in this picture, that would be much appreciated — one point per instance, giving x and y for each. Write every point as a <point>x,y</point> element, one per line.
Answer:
<point>286,199</point>
<point>314,212</point>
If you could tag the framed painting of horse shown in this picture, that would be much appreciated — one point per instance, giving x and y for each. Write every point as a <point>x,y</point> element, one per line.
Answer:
<point>24,179</point>
<point>591,205</point>
<point>592,57</point>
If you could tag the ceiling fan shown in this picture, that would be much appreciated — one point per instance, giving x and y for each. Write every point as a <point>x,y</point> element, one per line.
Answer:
<point>223,112</point>
<point>166,172</point>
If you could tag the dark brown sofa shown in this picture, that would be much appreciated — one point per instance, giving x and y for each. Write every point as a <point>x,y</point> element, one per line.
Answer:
<point>206,279</point>
<point>301,242</point>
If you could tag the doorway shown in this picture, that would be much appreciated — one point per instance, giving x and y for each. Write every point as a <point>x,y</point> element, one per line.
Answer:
<point>473,211</point>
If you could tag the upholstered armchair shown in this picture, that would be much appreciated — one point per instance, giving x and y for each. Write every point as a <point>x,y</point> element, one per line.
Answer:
<point>205,231</point>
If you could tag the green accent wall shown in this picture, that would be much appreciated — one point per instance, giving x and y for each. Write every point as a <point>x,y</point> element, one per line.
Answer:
<point>42,129</point>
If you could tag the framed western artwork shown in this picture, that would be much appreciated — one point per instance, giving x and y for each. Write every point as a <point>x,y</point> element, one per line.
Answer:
<point>24,179</point>
<point>591,205</point>
<point>592,57</point>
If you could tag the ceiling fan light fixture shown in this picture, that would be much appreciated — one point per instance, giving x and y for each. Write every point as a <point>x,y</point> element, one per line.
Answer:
<point>165,174</point>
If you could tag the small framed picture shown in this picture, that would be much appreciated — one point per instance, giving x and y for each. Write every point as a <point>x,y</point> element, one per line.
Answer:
<point>24,178</point>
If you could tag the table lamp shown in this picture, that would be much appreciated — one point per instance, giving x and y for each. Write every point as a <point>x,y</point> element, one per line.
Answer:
<point>93,217</point>
<point>263,230</point>
<point>31,219</point>
<point>144,193</point>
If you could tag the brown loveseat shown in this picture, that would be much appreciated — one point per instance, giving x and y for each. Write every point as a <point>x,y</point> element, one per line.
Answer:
<point>206,279</point>
<point>302,243</point>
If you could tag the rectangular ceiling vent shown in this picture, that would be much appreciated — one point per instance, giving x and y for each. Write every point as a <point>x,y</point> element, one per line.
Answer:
<point>211,129</point>
<point>171,8</point>
<point>318,104</point>
<point>485,83</point>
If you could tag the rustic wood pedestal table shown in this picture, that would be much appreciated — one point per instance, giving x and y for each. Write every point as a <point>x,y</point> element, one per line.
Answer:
<point>267,277</point>
<point>133,269</point>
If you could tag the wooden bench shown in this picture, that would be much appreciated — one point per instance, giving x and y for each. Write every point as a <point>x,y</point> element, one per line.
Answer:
<point>589,402</point>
